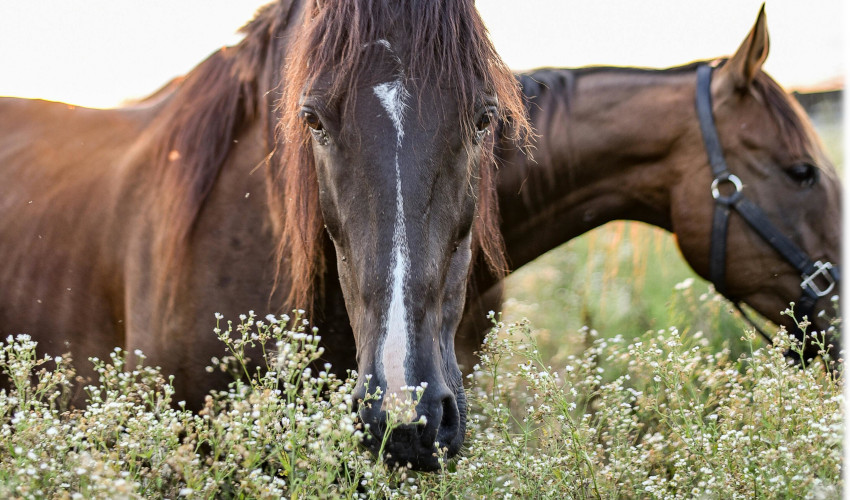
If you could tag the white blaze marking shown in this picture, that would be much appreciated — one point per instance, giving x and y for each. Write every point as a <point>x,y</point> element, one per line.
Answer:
<point>392,96</point>
<point>396,343</point>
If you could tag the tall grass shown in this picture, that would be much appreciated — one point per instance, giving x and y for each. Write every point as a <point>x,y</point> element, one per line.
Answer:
<point>618,280</point>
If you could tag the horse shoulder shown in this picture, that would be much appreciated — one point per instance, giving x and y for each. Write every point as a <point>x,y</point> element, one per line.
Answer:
<point>56,245</point>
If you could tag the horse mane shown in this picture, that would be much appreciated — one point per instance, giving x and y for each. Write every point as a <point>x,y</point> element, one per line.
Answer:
<point>206,111</point>
<point>448,45</point>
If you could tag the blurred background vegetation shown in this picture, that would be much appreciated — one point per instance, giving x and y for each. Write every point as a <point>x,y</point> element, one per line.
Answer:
<point>626,278</point>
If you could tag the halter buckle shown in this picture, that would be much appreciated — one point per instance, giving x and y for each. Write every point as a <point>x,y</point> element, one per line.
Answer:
<point>821,269</point>
<point>732,179</point>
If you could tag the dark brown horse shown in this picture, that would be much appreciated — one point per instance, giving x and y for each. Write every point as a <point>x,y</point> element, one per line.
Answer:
<point>338,159</point>
<point>621,143</point>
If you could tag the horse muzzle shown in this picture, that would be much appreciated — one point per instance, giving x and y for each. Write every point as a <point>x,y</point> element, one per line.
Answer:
<point>434,434</point>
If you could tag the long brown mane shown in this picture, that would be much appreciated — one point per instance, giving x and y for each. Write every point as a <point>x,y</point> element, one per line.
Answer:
<point>205,113</point>
<point>448,44</point>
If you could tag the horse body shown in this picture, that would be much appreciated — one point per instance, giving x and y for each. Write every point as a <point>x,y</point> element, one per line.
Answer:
<point>338,160</point>
<point>79,202</point>
<point>625,144</point>
<point>42,205</point>
<point>598,160</point>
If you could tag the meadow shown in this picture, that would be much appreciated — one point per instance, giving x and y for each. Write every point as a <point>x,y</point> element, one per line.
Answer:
<point>630,379</point>
<point>680,420</point>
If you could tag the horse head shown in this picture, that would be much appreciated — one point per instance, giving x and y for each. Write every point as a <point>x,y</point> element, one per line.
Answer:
<point>775,198</point>
<point>388,153</point>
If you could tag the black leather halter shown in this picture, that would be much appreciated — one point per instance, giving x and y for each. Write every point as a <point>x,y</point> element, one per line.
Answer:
<point>818,278</point>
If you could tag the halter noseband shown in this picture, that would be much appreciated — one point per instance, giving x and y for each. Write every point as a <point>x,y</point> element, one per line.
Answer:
<point>818,278</point>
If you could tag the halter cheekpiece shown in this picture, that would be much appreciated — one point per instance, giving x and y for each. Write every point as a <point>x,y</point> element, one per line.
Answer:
<point>818,278</point>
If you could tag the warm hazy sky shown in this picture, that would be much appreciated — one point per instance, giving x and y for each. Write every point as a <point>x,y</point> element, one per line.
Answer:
<point>98,52</point>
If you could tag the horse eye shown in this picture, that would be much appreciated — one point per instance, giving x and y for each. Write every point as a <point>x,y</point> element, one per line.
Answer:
<point>311,119</point>
<point>804,174</point>
<point>316,127</point>
<point>482,125</point>
<point>484,121</point>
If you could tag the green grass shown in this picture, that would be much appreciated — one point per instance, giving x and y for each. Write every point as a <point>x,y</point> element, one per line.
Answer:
<point>620,280</point>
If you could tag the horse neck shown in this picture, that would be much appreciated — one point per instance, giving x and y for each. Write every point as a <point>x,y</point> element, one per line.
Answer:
<point>605,151</point>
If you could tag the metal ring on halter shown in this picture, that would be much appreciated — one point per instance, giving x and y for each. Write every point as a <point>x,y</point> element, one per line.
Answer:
<point>736,183</point>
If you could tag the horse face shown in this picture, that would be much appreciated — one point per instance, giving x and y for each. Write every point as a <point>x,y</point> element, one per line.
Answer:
<point>769,144</point>
<point>398,178</point>
<point>799,192</point>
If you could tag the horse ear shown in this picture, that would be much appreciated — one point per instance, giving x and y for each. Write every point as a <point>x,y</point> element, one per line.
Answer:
<point>741,68</point>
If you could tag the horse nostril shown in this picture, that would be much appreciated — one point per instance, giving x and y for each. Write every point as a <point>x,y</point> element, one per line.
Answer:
<point>449,423</point>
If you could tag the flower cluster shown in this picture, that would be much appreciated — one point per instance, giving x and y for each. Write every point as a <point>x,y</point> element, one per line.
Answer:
<point>664,415</point>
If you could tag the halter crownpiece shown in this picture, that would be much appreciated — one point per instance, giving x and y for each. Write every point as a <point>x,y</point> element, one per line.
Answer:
<point>818,278</point>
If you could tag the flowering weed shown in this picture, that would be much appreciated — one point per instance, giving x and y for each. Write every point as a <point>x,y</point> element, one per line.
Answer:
<point>676,419</point>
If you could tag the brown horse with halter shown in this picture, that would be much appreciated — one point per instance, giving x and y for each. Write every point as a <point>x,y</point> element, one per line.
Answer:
<point>737,174</point>
<point>338,159</point>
